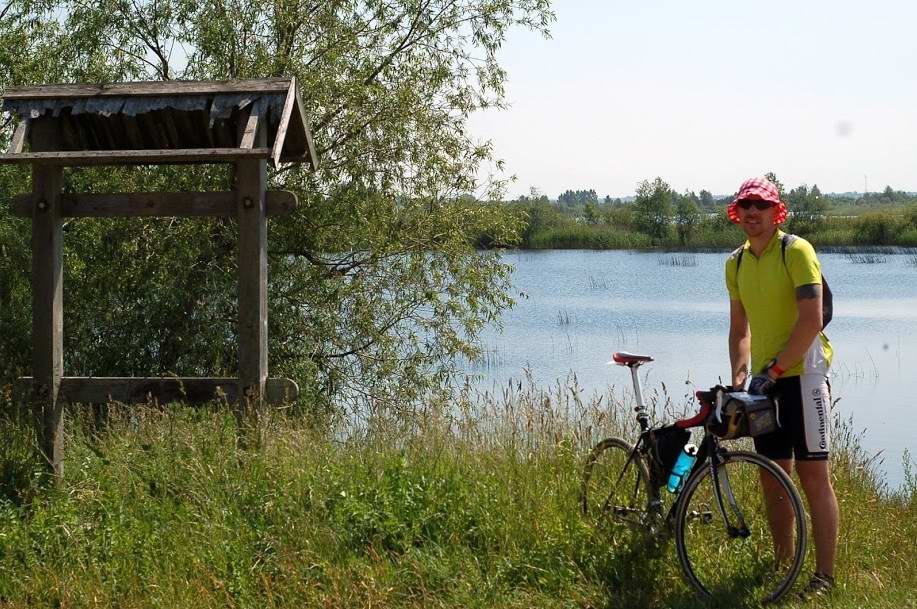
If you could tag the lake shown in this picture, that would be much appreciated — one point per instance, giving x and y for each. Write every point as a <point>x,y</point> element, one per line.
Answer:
<point>575,308</point>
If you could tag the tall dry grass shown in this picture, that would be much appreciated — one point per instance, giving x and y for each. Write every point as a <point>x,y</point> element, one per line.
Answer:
<point>465,504</point>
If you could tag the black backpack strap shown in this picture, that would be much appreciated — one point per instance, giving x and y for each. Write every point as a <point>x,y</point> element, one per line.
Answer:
<point>827,308</point>
<point>738,255</point>
<point>785,240</point>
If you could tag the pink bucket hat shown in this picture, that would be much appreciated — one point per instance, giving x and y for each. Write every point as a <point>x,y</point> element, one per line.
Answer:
<point>761,189</point>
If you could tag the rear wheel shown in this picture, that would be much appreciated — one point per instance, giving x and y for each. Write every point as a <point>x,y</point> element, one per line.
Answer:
<point>615,487</point>
<point>728,559</point>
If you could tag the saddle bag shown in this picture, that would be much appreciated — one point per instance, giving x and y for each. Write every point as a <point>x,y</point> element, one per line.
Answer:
<point>667,443</point>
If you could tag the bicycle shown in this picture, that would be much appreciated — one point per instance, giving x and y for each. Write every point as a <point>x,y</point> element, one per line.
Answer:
<point>719,516</point>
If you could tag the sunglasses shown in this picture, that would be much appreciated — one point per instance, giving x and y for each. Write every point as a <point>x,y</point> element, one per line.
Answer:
<point>758,204</point>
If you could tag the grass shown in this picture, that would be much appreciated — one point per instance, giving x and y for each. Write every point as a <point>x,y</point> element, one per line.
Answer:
<point>582,236</point>
<point>880,232</point>
<point>677,260</point>
<point>470,505</point>
<point>866,258</point>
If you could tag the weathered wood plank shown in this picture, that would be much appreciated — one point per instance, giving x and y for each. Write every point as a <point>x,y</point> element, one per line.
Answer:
<point>156,204</point>
<point>124,157</point>
<point>250,183</point>
<point>70,137</point>
<point>201,122</point>
<point>47,309</point>
<point>307,130</point>
<point>139,390</point>
<point>299,145</point>
<point>251,126</point>
<point>19,137</point>
<point>167,120</point>
<point>186,127</point>
<point>132,132</point>
<point>172,87</point>
<point>153,131</point>
<point>284,123</point>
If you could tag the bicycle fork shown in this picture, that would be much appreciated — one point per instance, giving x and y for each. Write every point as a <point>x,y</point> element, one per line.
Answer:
<point>721,483</point>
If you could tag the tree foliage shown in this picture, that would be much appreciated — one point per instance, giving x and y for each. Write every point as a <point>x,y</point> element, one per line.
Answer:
<point>770,175</point>
<point>374,283</point>
<point>578,197</point>
<point>807,209</point>
<point>687,216</point>
<point>653,208</point>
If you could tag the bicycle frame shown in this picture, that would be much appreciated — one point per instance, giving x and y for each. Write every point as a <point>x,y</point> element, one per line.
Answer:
<point>642,417</point>
<point>708,455</point>
<point>632,507</point>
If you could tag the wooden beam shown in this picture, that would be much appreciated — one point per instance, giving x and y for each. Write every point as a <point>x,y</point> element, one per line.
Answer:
<point>284,122</point>
<point>48,311</point>
<point>250,184</point>
<point>157,88</point>
<point>129,390</point>
<point>132,132</point>
<point>156,204</point>
<point>135,157</point>
<point>167,120</point>
<point>251,126</point>
<point>19,137</point>
<point>307,127</point>
<point>304,131</point>
<point>186,126</point>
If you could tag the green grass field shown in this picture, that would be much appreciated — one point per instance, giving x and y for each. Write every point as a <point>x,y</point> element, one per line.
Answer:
<point>474,509</point>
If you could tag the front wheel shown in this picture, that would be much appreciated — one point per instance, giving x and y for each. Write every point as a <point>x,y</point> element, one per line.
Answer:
<point>723,530</point>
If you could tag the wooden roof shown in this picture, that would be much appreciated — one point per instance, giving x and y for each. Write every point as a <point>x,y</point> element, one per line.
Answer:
<point>159,122</point>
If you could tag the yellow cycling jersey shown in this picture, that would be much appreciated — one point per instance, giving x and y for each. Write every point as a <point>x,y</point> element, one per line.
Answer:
<point>766,287</point>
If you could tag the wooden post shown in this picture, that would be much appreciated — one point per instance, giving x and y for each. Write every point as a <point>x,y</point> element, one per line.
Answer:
<point>47,313</point>
<point>251,183</point>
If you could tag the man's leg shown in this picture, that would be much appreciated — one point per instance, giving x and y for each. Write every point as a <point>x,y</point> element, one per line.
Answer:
<point>778,446</point>
<point>780,517</point>
<point>815,477</point>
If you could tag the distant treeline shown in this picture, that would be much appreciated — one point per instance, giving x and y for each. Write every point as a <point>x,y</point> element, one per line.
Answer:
<point>657,216</point>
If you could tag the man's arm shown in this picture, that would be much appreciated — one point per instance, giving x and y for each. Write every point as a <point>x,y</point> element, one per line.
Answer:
<point>808,300</point>
<point>739,342</point>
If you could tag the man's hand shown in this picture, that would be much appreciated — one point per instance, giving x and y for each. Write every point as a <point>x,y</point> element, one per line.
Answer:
<point>765,382</point>
<point>762,384</point>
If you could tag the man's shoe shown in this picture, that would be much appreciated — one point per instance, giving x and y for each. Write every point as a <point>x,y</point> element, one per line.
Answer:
<point>819,585</point>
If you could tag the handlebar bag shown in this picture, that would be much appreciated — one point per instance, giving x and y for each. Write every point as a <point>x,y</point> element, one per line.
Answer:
<point>740,415</point>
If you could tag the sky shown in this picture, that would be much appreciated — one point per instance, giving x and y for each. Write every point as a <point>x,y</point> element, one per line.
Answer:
<point>708,93</point>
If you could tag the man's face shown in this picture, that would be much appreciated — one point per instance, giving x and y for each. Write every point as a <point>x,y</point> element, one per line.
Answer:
<point>755,221</point>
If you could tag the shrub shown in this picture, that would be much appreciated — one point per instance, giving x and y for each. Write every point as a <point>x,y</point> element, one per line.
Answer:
<point>876,229</point>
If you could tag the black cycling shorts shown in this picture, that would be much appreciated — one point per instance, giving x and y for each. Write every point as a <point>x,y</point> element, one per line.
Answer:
<point>804,416</point>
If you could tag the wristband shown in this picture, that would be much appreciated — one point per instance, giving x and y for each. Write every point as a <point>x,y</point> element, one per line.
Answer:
<point>777,369</point>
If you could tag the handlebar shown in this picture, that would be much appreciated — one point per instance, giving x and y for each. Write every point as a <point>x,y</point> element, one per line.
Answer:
<point>706,399</point>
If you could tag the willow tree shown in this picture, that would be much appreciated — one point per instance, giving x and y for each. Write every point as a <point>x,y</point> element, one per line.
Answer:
<point>374,284</point>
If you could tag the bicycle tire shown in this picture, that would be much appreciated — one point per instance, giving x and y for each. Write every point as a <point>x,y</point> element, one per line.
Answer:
<point>607,495</point>
<point>720,563</point>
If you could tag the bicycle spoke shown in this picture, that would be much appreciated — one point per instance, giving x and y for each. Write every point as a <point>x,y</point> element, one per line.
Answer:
<point>730,560</point>
<point>614,489</point>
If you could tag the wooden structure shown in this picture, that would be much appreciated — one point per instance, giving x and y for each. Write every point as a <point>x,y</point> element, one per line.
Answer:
<point>247,123</point>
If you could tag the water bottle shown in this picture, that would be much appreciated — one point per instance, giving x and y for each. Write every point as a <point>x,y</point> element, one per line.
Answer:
<point>682,467</point>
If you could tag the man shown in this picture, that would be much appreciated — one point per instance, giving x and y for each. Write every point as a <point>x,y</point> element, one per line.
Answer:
<point>775,320</point>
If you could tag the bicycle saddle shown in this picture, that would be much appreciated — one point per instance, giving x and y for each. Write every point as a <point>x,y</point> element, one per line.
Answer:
<point>623,358</point>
